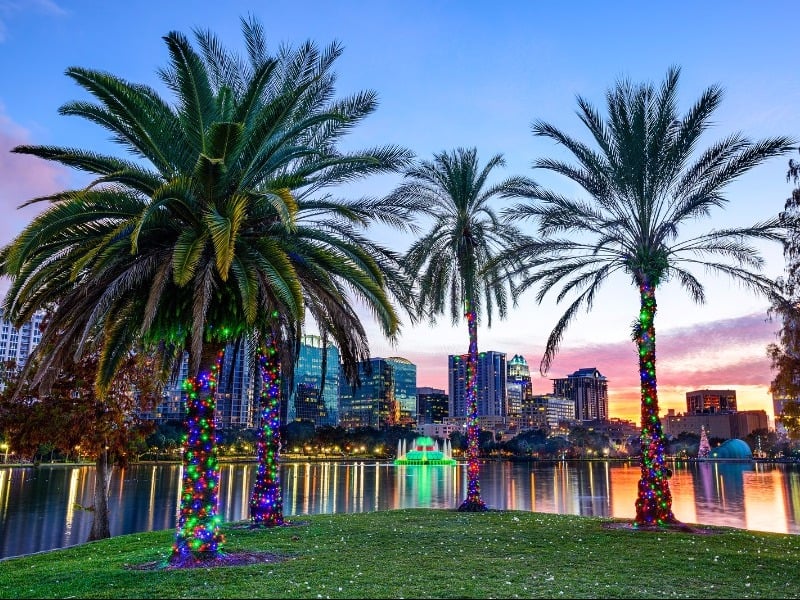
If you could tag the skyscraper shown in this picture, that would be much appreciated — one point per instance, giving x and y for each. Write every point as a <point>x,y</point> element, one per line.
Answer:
<point>588,390</point>
<point>386,396</point>
<point>432,405</point>
<point>17,344</point>
<point>238,387</point>
<point>491,376</point>
<point>405,389</point>
<point>304,401</point>
<point>519,385</point>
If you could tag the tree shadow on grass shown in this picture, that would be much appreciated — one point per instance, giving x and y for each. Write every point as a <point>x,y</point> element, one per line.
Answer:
<point>676,526</point>
<point>225,559</point>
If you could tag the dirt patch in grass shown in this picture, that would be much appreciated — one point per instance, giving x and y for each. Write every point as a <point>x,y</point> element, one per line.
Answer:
<point>671,527</point>
<point>227,559</point>
<point>250,526</point>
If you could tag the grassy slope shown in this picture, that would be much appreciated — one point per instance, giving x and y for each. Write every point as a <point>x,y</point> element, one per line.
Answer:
<point>425,553</point>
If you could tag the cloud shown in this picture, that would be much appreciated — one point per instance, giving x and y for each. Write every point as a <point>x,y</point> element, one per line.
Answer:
<point>22,177</point>
<point>9,9</point>
<point>728,354</point>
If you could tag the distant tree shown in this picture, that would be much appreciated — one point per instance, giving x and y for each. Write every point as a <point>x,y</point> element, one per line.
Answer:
<point>72,414</point>
<point>790,419</point>
<point>685,443</point>
<point>458,441</point>
<point>785,353</point>
<point>297,433</point>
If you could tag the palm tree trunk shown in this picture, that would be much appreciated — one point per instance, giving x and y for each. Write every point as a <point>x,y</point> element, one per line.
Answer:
<point>654,501</point>
<point>198,534</point>
<point>101,523</point>
<point>473,502</point>
<point>266,501</point>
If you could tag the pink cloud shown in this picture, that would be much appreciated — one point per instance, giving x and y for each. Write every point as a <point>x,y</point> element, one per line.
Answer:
<point>729,353</point>
<point>22,178</point>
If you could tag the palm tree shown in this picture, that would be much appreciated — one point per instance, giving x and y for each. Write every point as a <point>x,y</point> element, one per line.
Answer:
<point>450,261</point>
<point>645,183</point>
<point>323,246</point>
<point>182,247</point>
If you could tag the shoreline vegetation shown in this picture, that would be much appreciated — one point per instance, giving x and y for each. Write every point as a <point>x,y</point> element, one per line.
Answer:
<point>459,460</point>
<point>427,553</point>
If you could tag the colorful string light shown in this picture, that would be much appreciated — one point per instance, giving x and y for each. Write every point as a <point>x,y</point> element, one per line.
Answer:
<point>473,502</point>
<point>198,534</point>
<point>266,501</point>
<point>654,500</point>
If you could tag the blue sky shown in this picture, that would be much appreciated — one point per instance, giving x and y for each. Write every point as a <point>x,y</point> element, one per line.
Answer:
<point>452,74</point>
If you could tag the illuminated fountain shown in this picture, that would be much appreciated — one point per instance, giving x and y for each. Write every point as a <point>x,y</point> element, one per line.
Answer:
<point>425,451</point>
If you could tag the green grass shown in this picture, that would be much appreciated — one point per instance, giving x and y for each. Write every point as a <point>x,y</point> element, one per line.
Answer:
<point>425,553</point>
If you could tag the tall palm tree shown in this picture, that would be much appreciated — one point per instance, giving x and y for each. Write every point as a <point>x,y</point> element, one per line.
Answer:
<point>645,181</point>
<point>323,246</point>
<point>452,261</point>
<point>182,247</point>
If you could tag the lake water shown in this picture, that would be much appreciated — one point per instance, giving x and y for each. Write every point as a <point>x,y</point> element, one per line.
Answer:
<point>39,507</point>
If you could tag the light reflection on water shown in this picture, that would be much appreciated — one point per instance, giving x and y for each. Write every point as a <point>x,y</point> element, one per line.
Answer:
<point>39,507</point>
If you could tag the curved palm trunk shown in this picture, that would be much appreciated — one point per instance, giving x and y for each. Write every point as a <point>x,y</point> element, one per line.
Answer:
<point>101,522</point>
<point>473,502</point>
<point>654,501</point>
<point>198,534</point>
<point>266,501</point>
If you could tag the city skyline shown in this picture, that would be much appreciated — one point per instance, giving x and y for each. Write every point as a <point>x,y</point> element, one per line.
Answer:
<point>437,90</point>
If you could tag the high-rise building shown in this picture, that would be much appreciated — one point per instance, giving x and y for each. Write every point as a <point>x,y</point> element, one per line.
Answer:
<point>309,399</point>
<point>386,396</point>
<point>238,387</point>
<point>711,401</point>
<point>588,390</point>
<point>405,389</point>
<point>519,387</point>
<point>16,344</point>
<point>432,405</point>
<point>491,379</point>
<point>533,413</point>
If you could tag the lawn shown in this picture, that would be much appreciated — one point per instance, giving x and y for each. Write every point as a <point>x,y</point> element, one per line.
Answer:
<point>426,553</point>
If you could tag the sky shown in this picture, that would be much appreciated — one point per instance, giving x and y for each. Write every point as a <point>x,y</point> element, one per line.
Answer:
<point>468,74</point>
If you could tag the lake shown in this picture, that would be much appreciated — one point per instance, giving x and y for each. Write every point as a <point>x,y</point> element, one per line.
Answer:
<point>40,508</point>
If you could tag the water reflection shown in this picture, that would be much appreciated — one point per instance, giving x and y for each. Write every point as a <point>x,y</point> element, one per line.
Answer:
<point>41,508</point>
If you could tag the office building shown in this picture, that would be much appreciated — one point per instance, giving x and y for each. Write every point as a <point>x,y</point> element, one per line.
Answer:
<point>432,405</point>
<point>560,412</point>
<point>711,401</point>
<point>238,388</point>
<point>491,380</point>
<point>519,387</point>
<point>386,397</point>
<point>313,397</point>
<point>722,425</point>
<point>588,390</point>
<point>16,344</point>
<point>404,374</point>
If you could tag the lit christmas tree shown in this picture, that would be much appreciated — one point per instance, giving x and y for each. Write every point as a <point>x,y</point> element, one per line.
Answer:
<point>705,447</point>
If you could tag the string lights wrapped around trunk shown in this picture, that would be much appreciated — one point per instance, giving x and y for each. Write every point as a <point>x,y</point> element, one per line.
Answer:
<point>654,500</point>
<point>266,501</point>
<point>198,536</point>
<point>473,502</point>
